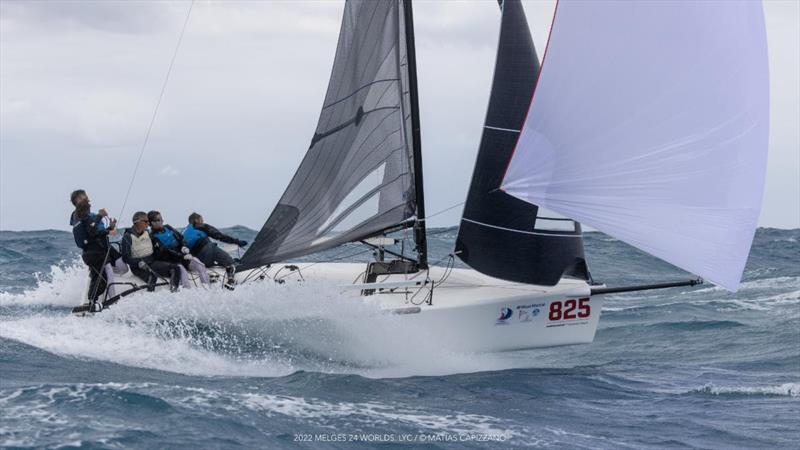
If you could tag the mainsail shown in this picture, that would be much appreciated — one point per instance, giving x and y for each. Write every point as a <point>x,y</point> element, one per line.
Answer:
<point>358,176</point>
<point>500,235</point>
<point>653,130</point>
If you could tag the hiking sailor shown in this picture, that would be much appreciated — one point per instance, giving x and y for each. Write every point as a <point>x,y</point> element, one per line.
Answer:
<point>196,236</point>
<point>91,236</point>
<point>137,251</point>
<point>169,247</point>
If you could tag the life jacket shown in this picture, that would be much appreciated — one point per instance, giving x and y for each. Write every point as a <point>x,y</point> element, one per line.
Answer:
<point>141,246</point>
<point>79,231</point>
<point>192,236</point>
<point>167,237</point>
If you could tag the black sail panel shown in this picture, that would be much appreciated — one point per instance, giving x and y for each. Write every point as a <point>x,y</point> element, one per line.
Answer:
<point>500,235</point>
<point>357,177</point>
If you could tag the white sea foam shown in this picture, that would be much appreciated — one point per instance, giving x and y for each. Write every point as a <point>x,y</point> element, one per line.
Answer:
<point>63,286</point>
<point>112,341</point>
<point>261,329</point>
<point>377,413</point>
<point>368,413</point>
<point>786,389</point>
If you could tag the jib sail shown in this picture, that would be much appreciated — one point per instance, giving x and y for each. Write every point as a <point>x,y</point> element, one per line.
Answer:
<point>500,235</point>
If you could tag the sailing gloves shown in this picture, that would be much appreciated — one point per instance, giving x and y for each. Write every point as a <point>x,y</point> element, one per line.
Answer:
<point>186,254</point>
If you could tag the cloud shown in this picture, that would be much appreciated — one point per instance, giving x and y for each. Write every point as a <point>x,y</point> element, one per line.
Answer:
<point>127,17</point>
<point>79,81</point>
<point>169,171</point>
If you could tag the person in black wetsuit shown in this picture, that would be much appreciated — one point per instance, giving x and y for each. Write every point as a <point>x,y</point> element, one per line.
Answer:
<point>197,236</point>
<point>138,252</point>
<point>91,236</point>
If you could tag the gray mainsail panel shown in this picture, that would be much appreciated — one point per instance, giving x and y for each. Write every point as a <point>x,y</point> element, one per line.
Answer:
<point>500,235</point>
<point>357,177</point>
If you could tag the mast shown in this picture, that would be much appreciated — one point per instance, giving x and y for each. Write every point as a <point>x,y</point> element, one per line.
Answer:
<point>420,238</point>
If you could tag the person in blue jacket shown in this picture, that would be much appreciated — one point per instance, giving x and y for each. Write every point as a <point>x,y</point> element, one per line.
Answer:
<point>169,246</point>
<point>138,252</point>
<point>197,237</point>
<point>91,236</point>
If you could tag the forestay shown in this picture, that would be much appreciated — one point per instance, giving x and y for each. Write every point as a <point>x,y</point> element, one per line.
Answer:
<point>357,177</point>
<point>650,123</point>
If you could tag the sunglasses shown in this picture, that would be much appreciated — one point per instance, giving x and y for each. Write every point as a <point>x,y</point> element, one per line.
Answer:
<point>156,221</point>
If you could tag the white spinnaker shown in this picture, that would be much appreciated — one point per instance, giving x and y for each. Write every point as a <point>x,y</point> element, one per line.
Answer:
<point>650,123</point>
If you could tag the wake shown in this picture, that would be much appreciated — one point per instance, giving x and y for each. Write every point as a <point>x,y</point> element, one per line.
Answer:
<point>258,330</point>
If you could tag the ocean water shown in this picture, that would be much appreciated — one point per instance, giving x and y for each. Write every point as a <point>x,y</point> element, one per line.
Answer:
<point>276,366</point>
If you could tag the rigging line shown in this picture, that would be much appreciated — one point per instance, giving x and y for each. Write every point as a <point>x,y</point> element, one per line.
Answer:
<point>337,258</point>
<point>428,216</point>
<point>427,272</point>
<point>147,134</point>
<point>440,231</point>
<point>155,110</point>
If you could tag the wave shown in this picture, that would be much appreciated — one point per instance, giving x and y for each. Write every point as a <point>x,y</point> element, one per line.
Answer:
<point>697,325</point>
<point>786,389</point>
<point>762,283</point>
<point>755,295</point>
<point>64,285</point>
<point>34,407</point>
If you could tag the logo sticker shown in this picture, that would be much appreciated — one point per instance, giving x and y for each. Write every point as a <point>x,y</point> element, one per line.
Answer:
<point>505,314</point>
<point>526,313</point>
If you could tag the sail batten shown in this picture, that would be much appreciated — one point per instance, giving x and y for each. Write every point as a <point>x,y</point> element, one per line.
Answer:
<point>664,149</point>
<point>363,126</point>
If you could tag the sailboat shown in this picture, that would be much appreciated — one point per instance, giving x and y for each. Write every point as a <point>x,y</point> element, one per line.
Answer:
<point>607,131</point>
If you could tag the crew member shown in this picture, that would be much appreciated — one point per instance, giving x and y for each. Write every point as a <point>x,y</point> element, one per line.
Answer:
<point>137,251</point>
<point>197,236</point>
<point>169,247</point>
<point>91,236</point>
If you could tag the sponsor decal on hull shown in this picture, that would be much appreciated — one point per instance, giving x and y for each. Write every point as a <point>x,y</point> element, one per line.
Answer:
<point>505,315</point>
<point>559,313</point>
<point>527,313</point>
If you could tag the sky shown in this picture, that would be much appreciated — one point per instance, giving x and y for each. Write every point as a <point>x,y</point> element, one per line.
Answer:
<point>79,82</point>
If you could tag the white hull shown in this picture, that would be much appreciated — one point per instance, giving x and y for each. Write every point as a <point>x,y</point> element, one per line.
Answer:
<point>468,311</point>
